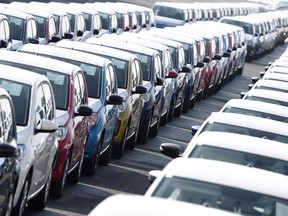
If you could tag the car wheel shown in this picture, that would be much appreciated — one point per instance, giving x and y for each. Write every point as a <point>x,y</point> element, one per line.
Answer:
<point>90,165</point>
<point>105,157</point>
<point>178,110</point>
<point>154,130</point>
<point>74,176</point>
<point>186,105</point>
<point>131,143</point>
<point>20,207</point>
<point>240,71</point>
<point>57,188</point>
<point>172,109</point>
<point>143,136</point>
<point>39,202</point>
<point>117,151</point>
<point>9,206</point>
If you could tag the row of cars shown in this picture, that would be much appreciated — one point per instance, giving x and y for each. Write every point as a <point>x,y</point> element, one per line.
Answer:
<point>236,162</point>
<point>79,103</point>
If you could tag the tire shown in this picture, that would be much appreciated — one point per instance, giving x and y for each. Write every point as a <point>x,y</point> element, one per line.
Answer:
<point>39,202</point>
<point>20,207</point>
<point>118,150</point>
<point>192,102</point>
<point>240,71</point>
<point>186,105</point>
<point>74,176</point>
<point>57,188</point>
<point>105,157</point>
<point>154,130</point>
<point>8,209</point>
<point>164,118</point>
<point>143,136</point>
<point>178,110</point>
<point>90,165</point>
<point>131,143</point>
<point>172,109</point>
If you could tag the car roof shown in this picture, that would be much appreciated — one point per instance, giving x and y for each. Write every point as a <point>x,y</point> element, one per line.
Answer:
<point>279,67</point>
<point>26,9</point>
<point>276,76</point>
<point>239,142</point>
<point>277,84</point>
<point>121,44</point>
<point>48,8</point>
<point>65,7</point>
<point>257,106</point>
<point>95,49</point>
<point>267,94</point>
<point>246,121</point>
<point>229,174</point>
<point>20,75</point>
<point>132,204</point>
<point>65,53</point>
<point>38,61</point>
<point>15,13</point>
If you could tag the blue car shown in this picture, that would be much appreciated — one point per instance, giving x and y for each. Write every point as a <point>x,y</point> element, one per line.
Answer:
<point>103,99</point>
<point>153,80</point>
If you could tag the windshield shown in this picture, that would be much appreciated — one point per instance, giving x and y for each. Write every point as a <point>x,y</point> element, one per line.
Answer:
<point>220,196</point>
<point>239,157</point>
<point>146,62</point>
<point>268,100</point>
<point>88,20</point>
<point>41,26</point>
<point>60,82</point>
<point>17,27</point>
<point>20,94</point>
<point>105,19</point>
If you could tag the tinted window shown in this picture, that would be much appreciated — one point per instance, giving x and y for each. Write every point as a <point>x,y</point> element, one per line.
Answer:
<point>105,19</point>
<point>17,27</point>
<point>41,26</point>
<point>146,62</point>
<point>88,19</point>
<point>72,21</point>
<point>20,94</point>
<point>121,68</point>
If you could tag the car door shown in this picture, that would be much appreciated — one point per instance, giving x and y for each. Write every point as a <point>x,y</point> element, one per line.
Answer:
<point>137,101</point>
<point>80,123</point>
<point>43,143</point>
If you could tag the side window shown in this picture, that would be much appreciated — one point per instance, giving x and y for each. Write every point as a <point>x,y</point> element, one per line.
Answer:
<point>82,84</point>
<point>108,83</point>
<point>113,78</point>
<point>40,112</point>
<point>77,93</point>
<point>7,127</point>
<point>49,102</point>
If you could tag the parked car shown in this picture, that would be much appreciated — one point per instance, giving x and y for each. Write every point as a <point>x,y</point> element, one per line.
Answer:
<point>153,80</point>
<point>234,148</point>
<point>34,103</point>
<point>130,205</point>
<point>72,112</point>
<point>23,27</point>
<point>5,35</point>
<point>46,25</point>
<point>103,98</point>
<point>243,124</point>
<point>9,162</point>
<point>130,87</point>
<point>220,185</point>
<point>275,85</point>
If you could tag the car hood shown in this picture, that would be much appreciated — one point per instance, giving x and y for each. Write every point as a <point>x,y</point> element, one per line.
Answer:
<point>147,85</point>
<point>95,104</point>
<point>62,117</point>
<point>249,37</point>
<point>123,93</point>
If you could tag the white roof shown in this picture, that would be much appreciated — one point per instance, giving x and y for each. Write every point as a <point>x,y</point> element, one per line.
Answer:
<point>276,76</point>
<point>275,84</point>
<point>138,205</point>
<point>239,142</point>
<point>38,61</point>
<point>233,175</point>
<point>267,94</point>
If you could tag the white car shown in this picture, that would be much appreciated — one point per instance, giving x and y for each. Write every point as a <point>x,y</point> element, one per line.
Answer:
<point>34,103</point>
<point>226,186</point>
<point>257,108</point>
<point>132,204</point>
<point>234,148</point>
<point>271,76</point>
<point>276,85</point>
<point>244,124</point>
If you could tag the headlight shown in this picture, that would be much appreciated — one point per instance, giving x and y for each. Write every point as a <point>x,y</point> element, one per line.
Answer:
<point>21,151</point>
<point>146,97</point>
<point>93,119</point>
<point>122,107</point>
<point>61,133</point>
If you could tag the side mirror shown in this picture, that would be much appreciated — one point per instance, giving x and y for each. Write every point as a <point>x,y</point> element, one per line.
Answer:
<point>33,40</point>
<point>55,39</point>
<point>159,81</point>
<point>229,50</point>
<point>134,27</point>
<point>250,86</point>
<point>46,126</point>
<point>242,94</point>
<point>7,150</point>
<point>262,73</point>
<point>194,129</point>
<point>217,57</point>
<point>68,35</point>
<point>226,55</point>
<point>80,33</point>
<point>144,26</point>
<point>206,59</point>
<point>256,35</point>
<point>172,74</point>
<point>96,31</point>
<point>234,48</point>
<point>115,99</point>
<point>239,45</point>
<point>153,174</point>
<point>185,69</point>
<point>127,28</point>
<point>114,30</point>
<point>255,79</point>
<point>170,149</point>
<point>243,43</point>
<point>3,44</point>
<point>200,64</point>
<point>84,110</point>
<point>266,68</point>
<point>139,90</point>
